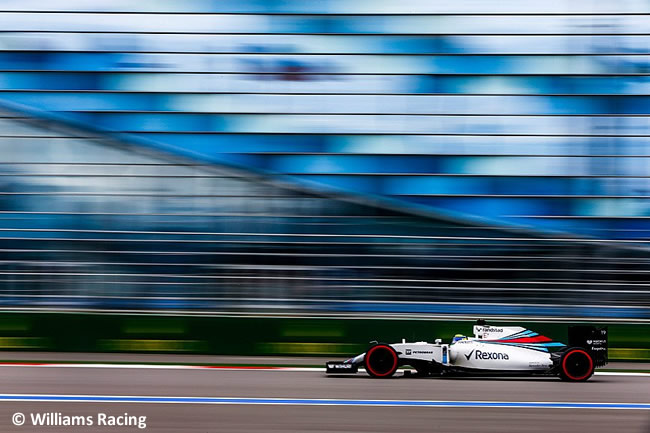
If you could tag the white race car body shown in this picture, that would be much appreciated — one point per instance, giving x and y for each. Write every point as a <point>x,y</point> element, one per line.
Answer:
<point>492,350</point>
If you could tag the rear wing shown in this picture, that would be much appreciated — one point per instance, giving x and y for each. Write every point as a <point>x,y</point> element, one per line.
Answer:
<point>593,339</point>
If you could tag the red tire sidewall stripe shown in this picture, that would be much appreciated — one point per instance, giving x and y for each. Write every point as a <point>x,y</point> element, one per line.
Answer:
<point>391,350</point>
<point>591,364</point>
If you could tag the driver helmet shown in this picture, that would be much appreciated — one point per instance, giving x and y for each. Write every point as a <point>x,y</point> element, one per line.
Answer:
<point>458,337</point>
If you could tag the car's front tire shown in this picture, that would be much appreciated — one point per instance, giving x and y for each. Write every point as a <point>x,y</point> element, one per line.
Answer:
<point>576,365</point>
<point>381,361</point>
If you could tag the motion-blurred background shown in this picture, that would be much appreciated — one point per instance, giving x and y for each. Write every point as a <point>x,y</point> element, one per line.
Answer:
<point>286,175</point>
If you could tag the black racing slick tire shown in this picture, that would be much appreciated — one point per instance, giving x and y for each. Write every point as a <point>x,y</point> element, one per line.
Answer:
<point>381,361</point>
<point>576,365</point>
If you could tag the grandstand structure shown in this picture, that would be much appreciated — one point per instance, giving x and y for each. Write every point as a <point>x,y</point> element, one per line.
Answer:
<point>329,156</point>
<point>92,222</point>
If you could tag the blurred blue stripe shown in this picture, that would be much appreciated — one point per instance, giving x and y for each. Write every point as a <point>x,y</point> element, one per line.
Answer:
<point>329,402</point>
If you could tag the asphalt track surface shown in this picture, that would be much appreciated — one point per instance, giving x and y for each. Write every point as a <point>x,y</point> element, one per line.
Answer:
<point>353,409</point>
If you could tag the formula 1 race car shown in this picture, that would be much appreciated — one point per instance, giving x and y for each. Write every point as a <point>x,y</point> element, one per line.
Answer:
<point>493,351</point>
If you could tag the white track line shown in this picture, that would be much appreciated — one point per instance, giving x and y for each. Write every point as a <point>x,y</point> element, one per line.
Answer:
<point>233,368</point>
<point>162,367</point>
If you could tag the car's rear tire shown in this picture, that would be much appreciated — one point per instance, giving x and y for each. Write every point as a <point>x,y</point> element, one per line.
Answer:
<point>576,365</point>
<point>381,361</point>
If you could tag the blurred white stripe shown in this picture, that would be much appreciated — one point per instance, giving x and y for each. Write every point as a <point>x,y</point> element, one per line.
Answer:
<point>239,368</point>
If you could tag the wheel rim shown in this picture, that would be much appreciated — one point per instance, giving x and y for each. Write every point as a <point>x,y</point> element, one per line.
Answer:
<point>577,365</point>
<point>382,361</point>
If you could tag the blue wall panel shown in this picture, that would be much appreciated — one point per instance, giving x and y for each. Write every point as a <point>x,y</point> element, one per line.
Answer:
<point>520,111</point>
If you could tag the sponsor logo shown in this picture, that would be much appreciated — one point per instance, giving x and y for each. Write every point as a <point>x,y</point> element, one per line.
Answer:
<point>490,355</point>
<point>596,341</point>
<point>339,366</point>
<point>489,329</point>
<point>479,354</point>
<point>417,352</point>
